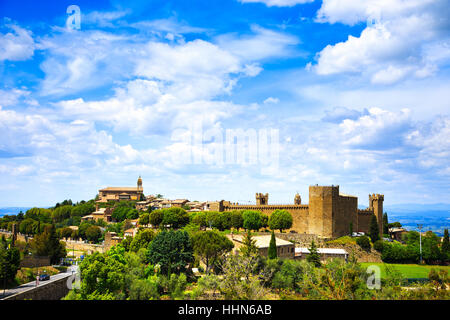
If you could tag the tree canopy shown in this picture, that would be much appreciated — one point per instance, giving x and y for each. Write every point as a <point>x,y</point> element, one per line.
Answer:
<point>252,220</point>
<point>210,246</point>
<point>172,250</point>
<point>280,219</point>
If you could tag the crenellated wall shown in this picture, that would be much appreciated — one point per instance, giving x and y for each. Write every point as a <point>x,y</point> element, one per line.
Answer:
<point>328,214</point>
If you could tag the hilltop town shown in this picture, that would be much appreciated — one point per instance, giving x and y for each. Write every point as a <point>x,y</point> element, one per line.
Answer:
<point>197,237</point>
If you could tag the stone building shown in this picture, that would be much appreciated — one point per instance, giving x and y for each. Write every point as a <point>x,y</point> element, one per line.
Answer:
<point>111,239</point>
<point>328,214</point>
<point>104,214</point>
<point>285,249</point>
<point>121,193</point>
<point>324,253</point>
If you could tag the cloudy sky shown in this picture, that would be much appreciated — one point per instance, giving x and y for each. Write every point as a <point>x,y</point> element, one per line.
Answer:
<point>358,92</point>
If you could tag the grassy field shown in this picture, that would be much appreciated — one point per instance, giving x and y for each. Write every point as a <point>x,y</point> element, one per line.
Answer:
<point>407,270</point>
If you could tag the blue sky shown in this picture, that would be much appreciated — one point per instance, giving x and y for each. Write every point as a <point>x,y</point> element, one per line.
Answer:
<point>357,91</point>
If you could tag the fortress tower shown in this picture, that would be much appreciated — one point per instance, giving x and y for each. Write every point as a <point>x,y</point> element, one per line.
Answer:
<point>376,204</point>
<point>297,199</point>
<point>322,204</point>
<point>262,199</point>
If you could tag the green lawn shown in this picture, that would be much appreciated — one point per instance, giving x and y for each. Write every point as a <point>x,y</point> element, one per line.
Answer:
<point>407,270</point>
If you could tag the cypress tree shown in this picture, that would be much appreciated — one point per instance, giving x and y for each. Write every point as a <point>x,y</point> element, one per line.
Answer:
<point>351,228</point>
<point>374,231</point>
<point>272,254</point>
<point>314,256</point>
<point>385,224</point>
<point>445,248</point>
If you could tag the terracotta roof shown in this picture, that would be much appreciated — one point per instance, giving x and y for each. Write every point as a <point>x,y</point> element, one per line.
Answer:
<point>322,250</point>
<point>263,241</point>
<point>180,201</point>
<point>119,189</point>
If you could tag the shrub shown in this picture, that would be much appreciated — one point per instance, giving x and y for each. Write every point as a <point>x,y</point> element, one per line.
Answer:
<point>364,242</point>
<point>378,245</point>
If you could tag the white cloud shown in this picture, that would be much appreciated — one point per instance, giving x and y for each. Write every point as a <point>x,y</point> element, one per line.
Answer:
<point>278,3</point>
<point>17,45</point>
<point>379,129</point>
<point>261,44</point>
<point>171,26</point>
<point>148,107</point>
<point>338,114</point>
<point>103,19</point>
<point>80,60</point>
<point>409,39</point>
<point>271,100</point>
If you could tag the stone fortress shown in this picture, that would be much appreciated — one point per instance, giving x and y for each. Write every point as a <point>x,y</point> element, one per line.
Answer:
<point>328,214</point>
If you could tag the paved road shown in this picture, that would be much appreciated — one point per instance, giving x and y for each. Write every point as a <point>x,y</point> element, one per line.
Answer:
<point>30,285</point>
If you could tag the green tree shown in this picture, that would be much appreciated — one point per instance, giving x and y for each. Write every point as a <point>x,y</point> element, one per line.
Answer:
<point>272,253</point>
<point>248,247</point>
<point>142,240</point>
<point>156,217</point>
<point>241,279</point>
<point>289,275</point>
<point>224,222</point>
<point>9,262</point>
<point>199,218</point>
<point>211,246</point>
<point>83,209</point>
<point>385,224</point>
<point>280,219</point>
<point>132,214</point>
<point>394,225</point>
<point>144,289</point>
<point>144,219</point>
<point>66,232</point>
<point>314,256</point>
<point>212,219</point>
<point>39,214</point>
<point>61,213</point>
<point>374,231</point>
<point>103,275</point>
<point>236,219</point>
<point>83,228</point>
<point>172,250</point>
<point>48,244</point>
<point>252,220</point>
<point>351,228</point>
<point>445,247</point>
<point>175,217</point>
<point>93,234</point>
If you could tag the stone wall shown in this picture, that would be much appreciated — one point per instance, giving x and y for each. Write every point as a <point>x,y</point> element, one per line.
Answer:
<point>346,213</point>
<point>33,262</point>
<point>81,246</point>
<point>19,236</point>
<point>52,291</point>
<point>364,217</point>
<point>301,240</point>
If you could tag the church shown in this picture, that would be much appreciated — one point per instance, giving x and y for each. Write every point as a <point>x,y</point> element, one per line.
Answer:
<point>121,193</point>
